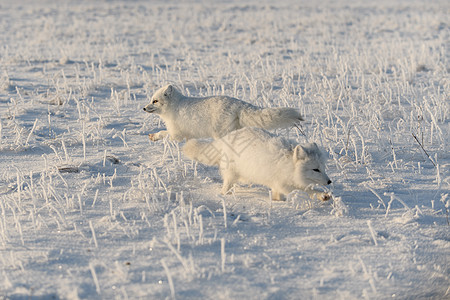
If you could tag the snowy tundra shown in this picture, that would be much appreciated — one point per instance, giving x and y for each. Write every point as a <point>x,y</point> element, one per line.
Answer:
<point>90,208</point>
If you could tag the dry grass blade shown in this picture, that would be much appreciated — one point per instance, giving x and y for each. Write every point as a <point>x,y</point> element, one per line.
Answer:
<point>68,169</point>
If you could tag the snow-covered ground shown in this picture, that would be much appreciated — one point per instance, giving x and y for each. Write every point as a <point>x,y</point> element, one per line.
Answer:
<point>90,208</point>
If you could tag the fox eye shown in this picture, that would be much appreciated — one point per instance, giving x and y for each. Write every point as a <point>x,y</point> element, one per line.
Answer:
<point>316,170</point>
<point>155,101</point>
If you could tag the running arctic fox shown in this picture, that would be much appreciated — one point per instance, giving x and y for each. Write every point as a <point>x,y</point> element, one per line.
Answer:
<point>215,116</point>
<point>253,155</point>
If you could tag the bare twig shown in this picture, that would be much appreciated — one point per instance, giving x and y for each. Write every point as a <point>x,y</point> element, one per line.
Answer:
<point>425,151</point>
<point>300,129</point>
<point>446,211</point>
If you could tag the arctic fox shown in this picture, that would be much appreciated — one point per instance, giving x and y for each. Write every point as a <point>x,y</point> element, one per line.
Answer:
<point>253,155</point>
<point>215,116</point>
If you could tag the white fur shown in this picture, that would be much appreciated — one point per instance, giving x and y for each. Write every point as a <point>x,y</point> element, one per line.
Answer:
<point>253,155</point>
<point>215,116</point>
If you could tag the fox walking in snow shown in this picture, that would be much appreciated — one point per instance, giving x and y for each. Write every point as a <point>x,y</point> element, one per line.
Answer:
<point>253,155</point>
<point>215,116</point>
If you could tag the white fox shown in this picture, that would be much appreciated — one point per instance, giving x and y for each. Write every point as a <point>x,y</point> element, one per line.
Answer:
<point>253,155</point>
<point>215,116</point>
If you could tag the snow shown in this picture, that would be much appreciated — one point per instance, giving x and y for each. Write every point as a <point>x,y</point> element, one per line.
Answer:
<point>90,208</point>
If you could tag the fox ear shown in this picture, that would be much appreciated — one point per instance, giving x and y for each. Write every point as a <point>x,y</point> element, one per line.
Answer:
<point>299,153</point>
<point>168,91</point>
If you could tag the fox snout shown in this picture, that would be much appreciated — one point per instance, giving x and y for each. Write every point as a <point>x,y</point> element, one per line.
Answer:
<point>329,181</point>
<point>149,109</point>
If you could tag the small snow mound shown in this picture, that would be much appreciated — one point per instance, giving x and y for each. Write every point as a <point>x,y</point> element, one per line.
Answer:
<point>408,217</point>
<point>442,244</point>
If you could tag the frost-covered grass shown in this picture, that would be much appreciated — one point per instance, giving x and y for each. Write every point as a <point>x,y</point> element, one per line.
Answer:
<point>90,208</point>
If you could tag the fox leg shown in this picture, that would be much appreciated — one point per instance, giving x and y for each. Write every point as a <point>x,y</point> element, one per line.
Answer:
<point>158,135</point>
<point>226,187</point>
<point>229,178</point>
<point>277,196</point>
<point>228,181</point>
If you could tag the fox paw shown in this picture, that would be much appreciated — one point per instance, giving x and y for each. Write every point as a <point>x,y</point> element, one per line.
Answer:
<point>324,196</point>
<point>152,137</point>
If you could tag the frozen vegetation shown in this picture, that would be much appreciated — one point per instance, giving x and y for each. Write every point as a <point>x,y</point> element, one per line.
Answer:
<point>91,208</point>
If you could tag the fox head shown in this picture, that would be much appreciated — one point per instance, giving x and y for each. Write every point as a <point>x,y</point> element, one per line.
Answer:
<point>161,100</point>
<point>309,166</point>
